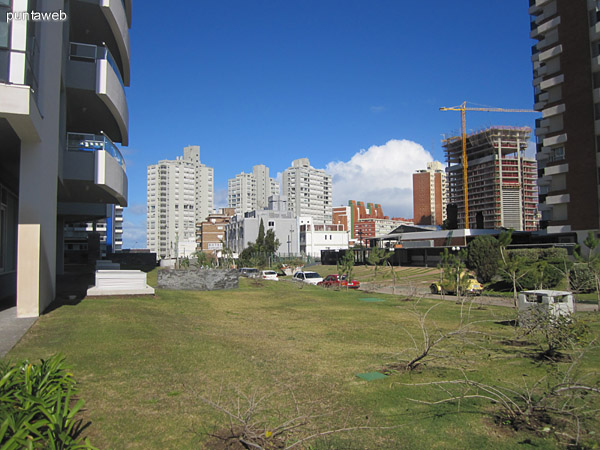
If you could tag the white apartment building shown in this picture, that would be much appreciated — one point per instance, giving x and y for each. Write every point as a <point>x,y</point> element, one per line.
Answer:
<point>62,108</point>
<point>309,191</point>
<point>243,228</point>
<point>317,237</point>
<point>251,191</point>
<point>180,194</point>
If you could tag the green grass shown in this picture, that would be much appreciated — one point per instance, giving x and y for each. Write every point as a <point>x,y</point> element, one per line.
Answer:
<point>144,363</point>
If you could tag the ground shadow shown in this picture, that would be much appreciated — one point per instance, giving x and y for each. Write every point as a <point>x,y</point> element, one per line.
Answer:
<point>71,288</point>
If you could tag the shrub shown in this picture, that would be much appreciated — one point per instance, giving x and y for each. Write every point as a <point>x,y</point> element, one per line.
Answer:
<point>483,257</point>
<point>38,408</point>
<point>543,266</point>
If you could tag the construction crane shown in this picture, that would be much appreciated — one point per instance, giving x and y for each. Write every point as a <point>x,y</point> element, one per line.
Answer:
<point>463,108</point>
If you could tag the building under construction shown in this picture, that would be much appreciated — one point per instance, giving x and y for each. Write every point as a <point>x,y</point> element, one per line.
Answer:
<point>501,181</point>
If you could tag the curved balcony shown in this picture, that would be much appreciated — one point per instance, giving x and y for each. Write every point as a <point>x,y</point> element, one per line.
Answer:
<point>111,19</point>
<point>96,95</point>
<point>93,171</point>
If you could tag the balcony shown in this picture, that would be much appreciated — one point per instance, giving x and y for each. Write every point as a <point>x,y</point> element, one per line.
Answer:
<point>95,93</point>
<point>111,19</point>
<point>93,171</point>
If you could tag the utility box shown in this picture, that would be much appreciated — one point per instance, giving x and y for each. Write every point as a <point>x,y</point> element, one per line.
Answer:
<point>554,303</point>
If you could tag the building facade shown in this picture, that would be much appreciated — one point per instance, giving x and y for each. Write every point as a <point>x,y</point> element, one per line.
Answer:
<point>251,191</point>
<point>62,109</point>
<point>243,228</point>
<point>501,180</point>
<point>210,234</point>
<point>430,195</point>
<point>308,190</point>
<point>566,80</point>
<point>179,195</point>
<point>317,237</point>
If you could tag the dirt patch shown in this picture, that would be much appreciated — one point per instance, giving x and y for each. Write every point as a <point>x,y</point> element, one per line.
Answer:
<point>237,439</point>
<point>516,343</point>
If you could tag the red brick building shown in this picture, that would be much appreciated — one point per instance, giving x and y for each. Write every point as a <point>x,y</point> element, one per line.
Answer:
<point>430,195</point>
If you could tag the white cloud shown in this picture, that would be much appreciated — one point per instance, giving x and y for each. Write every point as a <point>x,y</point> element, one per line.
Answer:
<point>382,174</point>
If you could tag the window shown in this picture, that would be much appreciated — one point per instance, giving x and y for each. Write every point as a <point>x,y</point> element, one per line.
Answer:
<point>271,223</point>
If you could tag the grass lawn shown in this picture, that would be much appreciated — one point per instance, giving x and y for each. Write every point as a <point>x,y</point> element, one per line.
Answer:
<point>144,364</point>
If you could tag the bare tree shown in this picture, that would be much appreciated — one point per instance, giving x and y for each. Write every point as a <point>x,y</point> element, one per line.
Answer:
<point>562,398</point>
<point>255,423</point>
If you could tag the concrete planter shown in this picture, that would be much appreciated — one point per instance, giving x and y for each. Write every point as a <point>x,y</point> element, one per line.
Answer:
<point>198,279</point>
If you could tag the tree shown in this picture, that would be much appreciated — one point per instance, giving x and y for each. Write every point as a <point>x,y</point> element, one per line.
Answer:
<point>484,257</point>
<point>271,243</point>
<point>512,266</point>
<point>260,240</point>
<point>453,271</point>
<point>345,265</point>
<point>593,261</point>
<point>376,256</point>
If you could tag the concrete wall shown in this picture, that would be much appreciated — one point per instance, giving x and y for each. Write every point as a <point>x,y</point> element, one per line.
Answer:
<point>198,280</point>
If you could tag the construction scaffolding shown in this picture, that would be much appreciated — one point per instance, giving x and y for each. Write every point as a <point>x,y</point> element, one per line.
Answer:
<point>501,181</point>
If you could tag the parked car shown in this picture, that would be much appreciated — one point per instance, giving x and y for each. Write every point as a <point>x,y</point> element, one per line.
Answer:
<point>269,275</point>
<point>470,286</point>
<point>308,277</point>
<point>249,272</point>
<point>335,280</point>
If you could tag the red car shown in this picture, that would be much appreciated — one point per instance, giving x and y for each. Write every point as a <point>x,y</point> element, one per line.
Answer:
<point>335,280</point>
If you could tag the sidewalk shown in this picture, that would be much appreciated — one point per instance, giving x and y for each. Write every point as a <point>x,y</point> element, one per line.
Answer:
<point>12,329</point>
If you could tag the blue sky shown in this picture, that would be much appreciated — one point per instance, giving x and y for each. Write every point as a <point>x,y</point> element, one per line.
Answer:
<point>353,85</point>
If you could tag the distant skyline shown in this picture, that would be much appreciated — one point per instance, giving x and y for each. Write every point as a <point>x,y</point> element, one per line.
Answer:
<point>354,86</point>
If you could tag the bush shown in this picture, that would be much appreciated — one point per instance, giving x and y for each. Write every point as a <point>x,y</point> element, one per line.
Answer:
<point>544,266</point>
<point>37,407</point>
<point>483,257</point>
<point>582,279</point>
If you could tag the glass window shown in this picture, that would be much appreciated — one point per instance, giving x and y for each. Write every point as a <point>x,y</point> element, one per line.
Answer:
<point>4,26</point>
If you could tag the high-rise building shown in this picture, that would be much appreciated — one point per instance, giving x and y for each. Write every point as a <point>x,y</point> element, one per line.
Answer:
<point>566,80</point>
<point>251,191</point>
<point>308,190</point>
<point>501,180</point>
<point>180,195</point>
<point>62,108</point>
<point>430,195</point>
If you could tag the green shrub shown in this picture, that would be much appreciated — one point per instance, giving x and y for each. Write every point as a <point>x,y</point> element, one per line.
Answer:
<point>483,257</point>
<point>582,279</point>
<point>544,267</point>
<point>38,408</point>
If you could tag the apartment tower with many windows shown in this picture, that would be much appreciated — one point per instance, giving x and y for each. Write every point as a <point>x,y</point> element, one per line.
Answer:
<point>308,191</point>
<point>251,191</point>
<point>62,109</point>
<point>180,194</point>
<point>430,195</point>
<point>566,80</point>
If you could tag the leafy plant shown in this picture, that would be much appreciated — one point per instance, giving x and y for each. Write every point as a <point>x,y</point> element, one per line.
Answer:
<point>38,408</point>
<point>483,257</point>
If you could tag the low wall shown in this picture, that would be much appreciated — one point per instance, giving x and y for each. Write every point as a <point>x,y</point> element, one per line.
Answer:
<point>134,261</point>
<point>198,279</point>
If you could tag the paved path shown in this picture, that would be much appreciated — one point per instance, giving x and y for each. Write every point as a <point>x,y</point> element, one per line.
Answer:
<point>483,299</point>
<point>12,329</point>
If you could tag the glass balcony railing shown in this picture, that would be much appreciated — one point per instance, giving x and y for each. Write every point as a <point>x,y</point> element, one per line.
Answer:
<point>92,53</point>
<point>85,142</point>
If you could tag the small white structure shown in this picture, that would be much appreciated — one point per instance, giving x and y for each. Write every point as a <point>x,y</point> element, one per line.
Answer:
<point>120,282</point>
<point>555,303</point>
<point>317,237</point>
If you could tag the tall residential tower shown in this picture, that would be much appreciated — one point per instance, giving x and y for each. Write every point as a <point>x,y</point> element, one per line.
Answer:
<point>308,191</point>
<point>251,191</point>
<point>180,194</point>
<point>566,79</point>
<point>430,195</point>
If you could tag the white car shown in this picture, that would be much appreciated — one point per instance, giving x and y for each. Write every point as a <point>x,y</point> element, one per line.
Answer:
<point>269,275</point>
<point>308,277</point>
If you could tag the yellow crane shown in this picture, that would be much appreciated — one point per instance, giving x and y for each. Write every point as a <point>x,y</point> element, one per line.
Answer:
<point>463,108</point>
